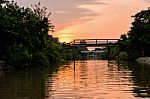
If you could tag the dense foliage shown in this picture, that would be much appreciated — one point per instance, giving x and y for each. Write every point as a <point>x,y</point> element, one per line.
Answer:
<point>137,41</point>
<point>24,38</point>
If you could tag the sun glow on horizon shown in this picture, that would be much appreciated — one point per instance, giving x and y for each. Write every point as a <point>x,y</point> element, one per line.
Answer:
<point>65,37</point>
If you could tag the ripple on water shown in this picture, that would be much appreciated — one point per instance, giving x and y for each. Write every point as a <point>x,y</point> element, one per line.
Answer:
<point>94,79</point>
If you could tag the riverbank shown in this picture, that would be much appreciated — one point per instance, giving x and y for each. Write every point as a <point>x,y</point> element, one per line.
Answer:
<point>144,60</point>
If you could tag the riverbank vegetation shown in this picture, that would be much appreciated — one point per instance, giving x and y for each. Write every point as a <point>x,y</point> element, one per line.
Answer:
<point>136,43</point>
<point>24,39</point>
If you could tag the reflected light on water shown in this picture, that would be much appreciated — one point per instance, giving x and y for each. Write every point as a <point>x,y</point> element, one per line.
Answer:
<point>90,79</point>
<point>94,79</point>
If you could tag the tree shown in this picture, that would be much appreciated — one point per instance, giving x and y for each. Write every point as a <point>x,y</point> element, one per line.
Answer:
<point>123,37</point>
<point>23,33</point>
<point>138,40</point>
<point>24,39</point>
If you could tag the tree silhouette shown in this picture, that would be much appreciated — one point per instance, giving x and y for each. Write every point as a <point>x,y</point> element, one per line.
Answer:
<point>138,39</point>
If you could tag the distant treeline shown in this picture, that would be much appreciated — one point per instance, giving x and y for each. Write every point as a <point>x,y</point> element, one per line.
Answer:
<point>24,39</point>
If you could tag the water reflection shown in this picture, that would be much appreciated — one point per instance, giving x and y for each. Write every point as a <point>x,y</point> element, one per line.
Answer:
<point>21,85</point>
<point>97,79</point>
<point>89,79</point>
<point>92,79</point>
<point>141,77</point>
<point>24,84</point>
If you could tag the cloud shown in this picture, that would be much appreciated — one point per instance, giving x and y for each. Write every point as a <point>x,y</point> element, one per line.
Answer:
<point>66,12</point>
<point>147,0</point>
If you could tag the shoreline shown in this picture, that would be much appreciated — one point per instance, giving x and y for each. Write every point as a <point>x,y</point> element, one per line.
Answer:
<point>144,60</point>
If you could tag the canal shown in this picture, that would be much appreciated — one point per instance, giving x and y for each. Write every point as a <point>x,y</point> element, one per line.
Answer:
<point>88,79</point>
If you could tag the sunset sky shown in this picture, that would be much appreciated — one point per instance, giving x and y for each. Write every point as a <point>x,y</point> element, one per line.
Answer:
<point>90,18</point>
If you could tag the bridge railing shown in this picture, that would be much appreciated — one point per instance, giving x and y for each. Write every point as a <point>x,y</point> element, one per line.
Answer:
<point>93,41</point>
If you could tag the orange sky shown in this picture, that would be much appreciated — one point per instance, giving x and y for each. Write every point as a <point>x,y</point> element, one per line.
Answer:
<point>90,18</point>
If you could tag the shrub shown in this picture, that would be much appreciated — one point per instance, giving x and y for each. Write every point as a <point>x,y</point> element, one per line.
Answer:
<point>123,56</point>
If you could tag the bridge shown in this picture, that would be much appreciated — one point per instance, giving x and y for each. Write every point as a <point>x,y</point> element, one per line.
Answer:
<point>87,52</point>
<point>104,43</point>
<point>95,42</point>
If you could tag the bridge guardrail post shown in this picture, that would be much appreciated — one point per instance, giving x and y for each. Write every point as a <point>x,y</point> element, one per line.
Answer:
<point>96,41</point>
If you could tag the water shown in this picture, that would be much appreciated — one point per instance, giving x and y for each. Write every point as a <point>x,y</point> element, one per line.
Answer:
<point>89,79</point>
